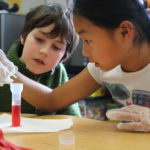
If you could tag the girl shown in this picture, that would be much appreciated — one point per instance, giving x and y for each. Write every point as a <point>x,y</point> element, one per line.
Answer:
<point>116,39</point>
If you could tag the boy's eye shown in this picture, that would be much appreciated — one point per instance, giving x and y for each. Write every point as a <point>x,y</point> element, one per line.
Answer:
<point>38,39</point>
<point>56,47</point>
<point>87,41</point>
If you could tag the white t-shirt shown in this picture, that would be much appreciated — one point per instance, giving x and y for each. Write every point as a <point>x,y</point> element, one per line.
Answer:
<point>125,88</point>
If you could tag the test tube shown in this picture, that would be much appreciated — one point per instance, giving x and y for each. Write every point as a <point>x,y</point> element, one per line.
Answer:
<point>16,89</point>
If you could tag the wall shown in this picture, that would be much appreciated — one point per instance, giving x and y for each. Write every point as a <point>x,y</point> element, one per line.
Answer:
<point>27,5</point>
<point>63,2</point>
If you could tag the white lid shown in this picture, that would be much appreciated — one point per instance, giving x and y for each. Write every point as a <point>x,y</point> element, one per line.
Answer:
<point>16,87</point>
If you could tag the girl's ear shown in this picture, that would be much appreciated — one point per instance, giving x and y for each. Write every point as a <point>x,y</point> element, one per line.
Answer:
<point>22,39</point>
<point>127,29</point>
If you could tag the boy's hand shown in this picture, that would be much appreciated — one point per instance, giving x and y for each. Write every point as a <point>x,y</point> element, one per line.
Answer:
<point>134,117</point>
<point>7,69</point>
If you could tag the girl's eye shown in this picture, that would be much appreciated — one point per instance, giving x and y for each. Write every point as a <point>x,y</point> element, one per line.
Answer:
<point>87,41</point>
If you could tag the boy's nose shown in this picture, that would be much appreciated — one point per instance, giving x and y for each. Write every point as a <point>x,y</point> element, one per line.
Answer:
<point>44,51</point>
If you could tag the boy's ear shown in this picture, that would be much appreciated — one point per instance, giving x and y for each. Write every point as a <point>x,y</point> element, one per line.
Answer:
<point>22,39</point>
<point>64,58</point>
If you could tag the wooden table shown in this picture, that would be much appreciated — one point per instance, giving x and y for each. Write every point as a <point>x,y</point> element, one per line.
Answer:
<point>88,134</point>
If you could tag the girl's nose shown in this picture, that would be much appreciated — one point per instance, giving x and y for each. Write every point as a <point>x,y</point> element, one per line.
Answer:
<point>85,51</point>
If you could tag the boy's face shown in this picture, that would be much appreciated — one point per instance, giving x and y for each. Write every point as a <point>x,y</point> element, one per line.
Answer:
<point>105,49</point>
<point>40,53</point>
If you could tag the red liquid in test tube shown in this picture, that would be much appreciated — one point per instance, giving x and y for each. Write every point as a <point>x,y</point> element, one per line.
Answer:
<point>16,89</point>
<point>16,111</point>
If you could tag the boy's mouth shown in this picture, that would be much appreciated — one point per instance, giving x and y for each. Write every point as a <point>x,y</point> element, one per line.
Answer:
<point>39,61</point>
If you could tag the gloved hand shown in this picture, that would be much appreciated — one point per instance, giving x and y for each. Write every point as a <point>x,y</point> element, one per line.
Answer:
<point>7,69</point>
<point>134,117</point>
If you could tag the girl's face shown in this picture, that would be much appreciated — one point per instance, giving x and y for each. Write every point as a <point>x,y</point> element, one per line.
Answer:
<point>40,53</point>
<point>105,48</point>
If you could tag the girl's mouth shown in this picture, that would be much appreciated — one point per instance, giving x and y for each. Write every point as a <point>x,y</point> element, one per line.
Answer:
<point>96,65</point>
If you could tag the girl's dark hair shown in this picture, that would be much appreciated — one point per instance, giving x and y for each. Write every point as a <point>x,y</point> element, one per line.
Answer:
<point>110,13</point>
<point>45,15</point>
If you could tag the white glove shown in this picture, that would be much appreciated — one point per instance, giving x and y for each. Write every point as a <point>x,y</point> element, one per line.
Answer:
<point>7,69</point>
<point>136,118</point>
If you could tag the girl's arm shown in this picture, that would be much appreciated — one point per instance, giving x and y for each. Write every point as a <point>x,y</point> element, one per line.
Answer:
<point>70,92</point>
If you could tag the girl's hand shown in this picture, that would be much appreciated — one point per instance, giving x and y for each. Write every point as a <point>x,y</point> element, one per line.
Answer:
<point>134,118</point>
<point>7,69</point>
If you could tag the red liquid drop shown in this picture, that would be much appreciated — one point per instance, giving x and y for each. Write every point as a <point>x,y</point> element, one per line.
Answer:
<point>16,111</point>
